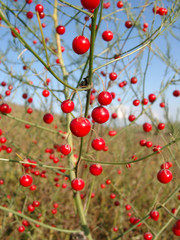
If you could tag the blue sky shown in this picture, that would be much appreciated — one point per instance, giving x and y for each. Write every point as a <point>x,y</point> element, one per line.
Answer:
<point>155,73</point>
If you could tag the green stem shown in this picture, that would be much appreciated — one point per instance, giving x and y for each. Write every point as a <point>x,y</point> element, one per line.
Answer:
<point>140,159</point>
<point>89,197</point>
<point>34,125</point>
<point>35,164</point>
<point>43,40</point>
<point>37,222</point>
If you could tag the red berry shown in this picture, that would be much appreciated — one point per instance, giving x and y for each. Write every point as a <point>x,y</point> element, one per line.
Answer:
<point>95,169</point>
<point>90,4</point>
<point>156,9</point>
<point>112,76</point>
<point>8,149</point>
<point>29,1</point>
<point>165,165</point>
<point>148,144</point>
<point>128,24</point>
<point>25,223</point>
<point>3,84</point>
<point>45,93</point>
<point>54,211</point>
<point>29,15</point>
<point>148,236</point>
<point>103,186</point>
<point>114,115</point>
<point>131,118</point>
<point>43,25</point>
<point>157,148</point>
<point>112,133</point>
<point>116,203</point>
<point>98,144</point>
<point>173,210</point>
<point>80,127</point>
<point>176,93</point>
<point>113,95</point>
<point>136,102</point>
<point>48,118</point>
<point>30,208</point>
<point>42,15</point>
<point>178,223</point>
<point>14,34</point>
<point>120,4</point>
<point>4,108</point>
<point>100,114</point>
<point>1,181</point>
<point>39,8</point>
<point>29,110</point>
<point>8,92</point>
<point>55,205</point>
<point>147,127</point>
<point>128,207</point>
<point>106,5</point>
<point>24,95</point>
<point>30,100</point>
<point>176,231</point>
<point>65,149</point>
<point>145,25</point>
<point>60,30</point>
<point>103,73</point>
<point>33,187</point>
<point>161,126</point>
<point>164,176</point>
<point>112,196</point>
<point>142,142</point>
<point>21,229</point>
<point>107,36</point>
<point>136,220</point>
<point>77,184</point>
<point>67,106</point>
<point>162,105</point>
<point>133,80</point>
<point>108,181</point>
<point>104,98</point>
<point>26,180</point>
<point>132,219</point>
<point>121,84</point>
<point>80,45</point>
<point>36,203</point>
<point>161,11</point>
<point>152,97</point>
<point>3,140</point>
<point>145,101</point>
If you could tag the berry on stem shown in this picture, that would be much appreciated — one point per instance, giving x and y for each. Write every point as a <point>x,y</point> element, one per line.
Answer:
<point>95,169</point>
<point>67,106</point>
<point>100,114</point>
<point>48,118</point>
<point>105,98</point>
<point>90,4</point>
<point>98,144</point>
<point>164,176</point>
<point>80,45</point>
<point>107,36</point>
<point>26,180</point>
<point>77,184</point>
<point>80,127</point>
